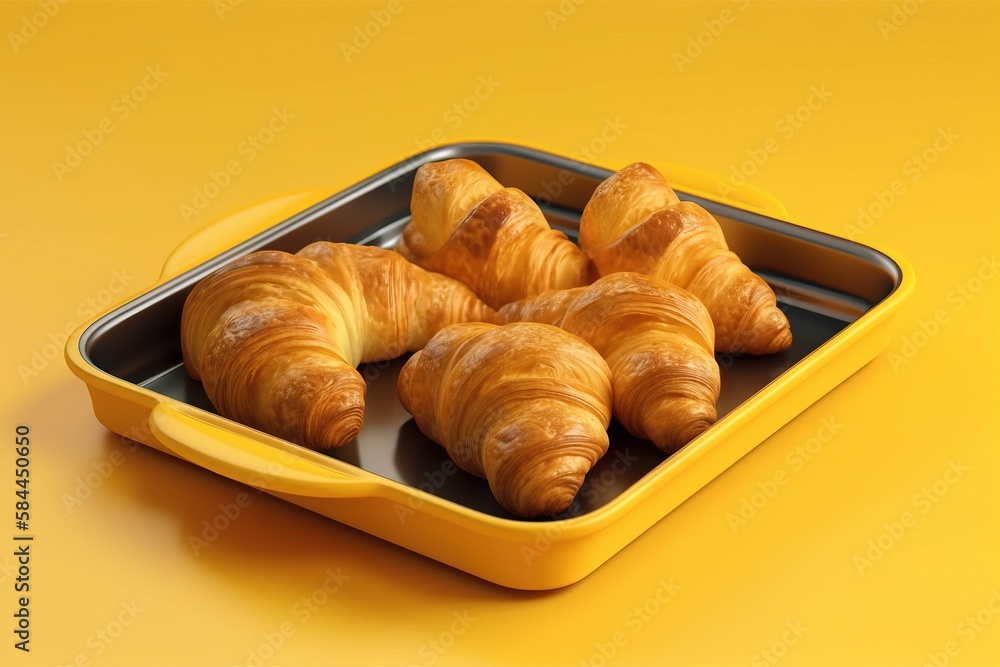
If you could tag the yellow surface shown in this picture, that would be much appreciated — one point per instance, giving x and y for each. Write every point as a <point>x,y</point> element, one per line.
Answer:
<point>874,539</point>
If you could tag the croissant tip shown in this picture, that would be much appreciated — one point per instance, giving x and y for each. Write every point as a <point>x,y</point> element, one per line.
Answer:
<point>676,436</point>
<point>782,341</point>
<point>556,499</point>
<point>345,429</point>
<point>544,495</point>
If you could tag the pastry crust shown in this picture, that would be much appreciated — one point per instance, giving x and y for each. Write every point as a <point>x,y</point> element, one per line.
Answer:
<point>494,239</point>
<point>657,340</point>
<point>276,338</point>
<point>526,406</point>
<point>635,222</point>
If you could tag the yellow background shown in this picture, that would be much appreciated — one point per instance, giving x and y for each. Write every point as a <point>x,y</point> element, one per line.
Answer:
<point>897,76</point>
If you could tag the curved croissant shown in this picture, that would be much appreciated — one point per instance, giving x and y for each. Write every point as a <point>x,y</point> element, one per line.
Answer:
<point>494,239</point>
<point>657,340</point>
<point>276,338</point>
<point>635,222</point>
<point>526,406</point>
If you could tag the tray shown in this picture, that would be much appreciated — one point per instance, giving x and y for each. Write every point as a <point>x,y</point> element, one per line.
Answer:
<point>392,481</point>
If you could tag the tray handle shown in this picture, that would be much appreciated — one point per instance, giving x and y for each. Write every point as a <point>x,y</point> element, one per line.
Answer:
<point>227,231</point>
<point>249,461</point>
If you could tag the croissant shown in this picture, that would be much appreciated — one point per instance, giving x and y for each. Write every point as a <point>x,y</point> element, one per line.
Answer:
<point>526,406</point>
<point>635,222</point>
<point>276,338</point>
<point>657,340</point>
<point>494,239</point>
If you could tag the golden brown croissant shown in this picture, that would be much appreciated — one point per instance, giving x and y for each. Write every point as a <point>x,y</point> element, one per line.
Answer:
<point>526,406</point>
<point>494,239</point>
<point>657,340</point>
<point>634,222</point>
<point>276,338</point>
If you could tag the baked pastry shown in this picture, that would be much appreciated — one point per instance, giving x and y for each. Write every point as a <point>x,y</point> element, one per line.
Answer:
<point>276,338</point>
<point>494,239</point>
<point>526,406</point>
<point>657,340</point>
<point>635,222</point>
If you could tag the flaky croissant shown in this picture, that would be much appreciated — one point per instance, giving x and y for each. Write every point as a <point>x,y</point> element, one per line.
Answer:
<point>276,338</point>
<point>494,239</point>
<point>635,222</point>
<point>526,406</point>
<point>657,340</point>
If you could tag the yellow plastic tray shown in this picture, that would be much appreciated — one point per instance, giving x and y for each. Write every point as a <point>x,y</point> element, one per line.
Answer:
<point>842,294</point>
